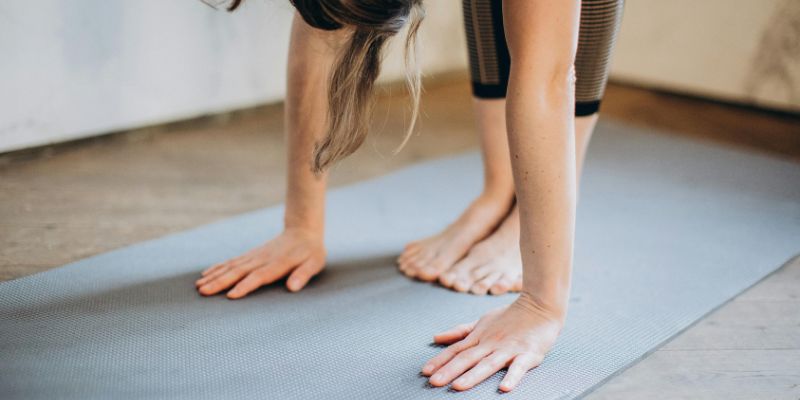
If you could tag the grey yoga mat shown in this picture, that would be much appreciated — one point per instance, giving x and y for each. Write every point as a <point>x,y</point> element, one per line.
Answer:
<point>668,229</point>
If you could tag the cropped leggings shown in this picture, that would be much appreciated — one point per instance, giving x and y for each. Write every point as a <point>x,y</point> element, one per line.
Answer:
<point>490,62</point>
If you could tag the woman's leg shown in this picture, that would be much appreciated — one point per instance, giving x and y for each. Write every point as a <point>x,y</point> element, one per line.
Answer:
<point>480,254</point>
<point>427,258</point>
<point>494,265</point>
<point>489,66</point>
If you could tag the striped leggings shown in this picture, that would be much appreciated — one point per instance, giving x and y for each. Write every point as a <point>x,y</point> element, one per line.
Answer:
<point>490,62</point>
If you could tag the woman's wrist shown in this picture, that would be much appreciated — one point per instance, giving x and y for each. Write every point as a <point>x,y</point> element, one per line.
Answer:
<point>551,309</point>
<point>304,217</point>
<point>310,228</point>
<point>547,296</point>
<point>547,280</point>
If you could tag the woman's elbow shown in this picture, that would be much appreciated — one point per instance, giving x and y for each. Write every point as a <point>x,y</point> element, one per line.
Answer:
<point>563,77</point>
<point>553,83</point>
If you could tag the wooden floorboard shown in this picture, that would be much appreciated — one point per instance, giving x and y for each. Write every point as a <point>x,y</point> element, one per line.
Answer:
<point>67,202</point>
<point>747,349</point>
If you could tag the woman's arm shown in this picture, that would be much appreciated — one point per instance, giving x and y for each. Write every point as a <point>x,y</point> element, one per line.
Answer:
<point>542,37</point>
<point>311,55</point>
<point>299,251</point>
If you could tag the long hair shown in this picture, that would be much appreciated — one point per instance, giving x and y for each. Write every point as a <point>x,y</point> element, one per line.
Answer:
<point>352,80</point>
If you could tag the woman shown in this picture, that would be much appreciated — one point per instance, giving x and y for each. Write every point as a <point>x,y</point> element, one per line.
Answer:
<point>531,151</point>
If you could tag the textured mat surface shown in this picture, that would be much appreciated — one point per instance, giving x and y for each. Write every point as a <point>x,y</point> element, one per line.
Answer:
<point>668,229</point>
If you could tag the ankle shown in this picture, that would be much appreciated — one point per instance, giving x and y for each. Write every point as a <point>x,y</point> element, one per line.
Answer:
<point>496,194</point>
<point>489,204</point>
<point>485,208</point>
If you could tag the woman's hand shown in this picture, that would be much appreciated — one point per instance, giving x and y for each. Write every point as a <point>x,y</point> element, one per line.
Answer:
<point>297,253</point>
<point>517,336</point>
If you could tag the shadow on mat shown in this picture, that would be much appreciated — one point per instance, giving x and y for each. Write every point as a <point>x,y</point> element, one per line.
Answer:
<point>178,292</point>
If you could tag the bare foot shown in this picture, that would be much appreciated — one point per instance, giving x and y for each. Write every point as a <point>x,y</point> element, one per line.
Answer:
<point>427,258</point>
<point>493,265</point>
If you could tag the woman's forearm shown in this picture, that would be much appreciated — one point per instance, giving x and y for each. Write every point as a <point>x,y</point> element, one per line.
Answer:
<point>542,142</point>
<point>311,56</point>
<point>298,253</point>
<point>543,152</point>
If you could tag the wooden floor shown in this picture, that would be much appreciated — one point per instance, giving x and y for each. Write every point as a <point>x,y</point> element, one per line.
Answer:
<point>67,202</point>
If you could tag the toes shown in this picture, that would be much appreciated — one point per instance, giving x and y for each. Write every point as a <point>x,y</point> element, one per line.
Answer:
<point>412,267</point>
<point>482,286</point>
<point>412,247</point>
<point>461,284</point>
<point>474,277</point>
<point>409,251</point>
<point>479,288</point>
<point>446,279</point>
<point>461,271</point>
<point>432,270</point>
<point>482,272</point>
<point>406,263</point>
<point>517,286</point>
<point>503,285</point>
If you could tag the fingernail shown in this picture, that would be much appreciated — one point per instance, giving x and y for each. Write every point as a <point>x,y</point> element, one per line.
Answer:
<point>426,369</point>
<point>436,377</point>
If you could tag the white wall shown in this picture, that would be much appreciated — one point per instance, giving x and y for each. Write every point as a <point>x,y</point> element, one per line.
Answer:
<point>76,68</point>
<point>746,51</point>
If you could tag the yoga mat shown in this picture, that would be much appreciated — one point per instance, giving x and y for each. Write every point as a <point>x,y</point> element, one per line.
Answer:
<point>668,229</point>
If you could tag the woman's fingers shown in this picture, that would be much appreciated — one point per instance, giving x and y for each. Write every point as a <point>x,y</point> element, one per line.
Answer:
<point>223,269</point>
<point>251,282</point>
<point>302,274</point>
<point>219,269</point>
<point>521,365</point>
<point>225,264</point>
<point>223,281</point>
<point>204,279</point>
<point>513,336</point>
<point>455,334</point>
<point>266,264</point>
<point>465,360</point>
<point>260,277</point>
<point>446,355</point>
<point>487,367</point>
<point>213,275</point>
<point>214,267</point>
